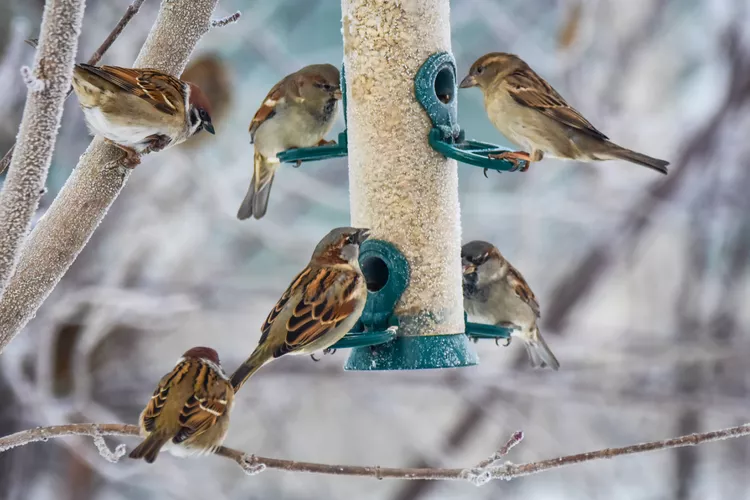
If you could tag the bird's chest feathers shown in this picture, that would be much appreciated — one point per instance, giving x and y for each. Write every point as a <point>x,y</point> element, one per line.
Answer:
<point>505,114</point>
<point>126,130</point>
<point>290,127</point>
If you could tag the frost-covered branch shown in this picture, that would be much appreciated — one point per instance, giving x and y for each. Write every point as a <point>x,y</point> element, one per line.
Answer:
<point>48,85</point>
<point>252,464</point>
<point>219,23</point>
<point>94,59</point>
<point>94,185</point>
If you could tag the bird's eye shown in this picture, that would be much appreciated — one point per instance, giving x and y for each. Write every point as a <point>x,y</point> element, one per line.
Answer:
<point>480,70</point>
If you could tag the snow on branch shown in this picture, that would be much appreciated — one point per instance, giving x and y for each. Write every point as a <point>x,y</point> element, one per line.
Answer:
<point>252,464</point>
<point>93,186</point>
<point>33,83</point>
<point>47,86</point>
<point>220,23</point>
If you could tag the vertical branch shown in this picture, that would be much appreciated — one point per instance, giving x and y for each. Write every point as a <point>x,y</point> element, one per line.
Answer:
<point>48,85</point>
<point>94,184</point>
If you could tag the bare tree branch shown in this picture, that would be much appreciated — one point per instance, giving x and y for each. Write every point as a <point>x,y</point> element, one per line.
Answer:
<point>133,9</point>
<point>253,464</point>
<point>94,59</point>
<point>94,184</point>
<point>47,86</point>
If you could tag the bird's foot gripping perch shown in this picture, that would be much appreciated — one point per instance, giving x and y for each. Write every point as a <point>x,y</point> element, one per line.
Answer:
<point>520,159</point>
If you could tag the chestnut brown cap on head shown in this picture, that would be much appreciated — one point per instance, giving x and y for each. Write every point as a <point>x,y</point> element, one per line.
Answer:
<point>202,353</point>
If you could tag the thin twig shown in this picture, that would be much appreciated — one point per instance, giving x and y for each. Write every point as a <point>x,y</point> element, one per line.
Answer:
<point>124,20</point>
<point>253,464</point>
<point>95,58</point>
<point>220,23</point>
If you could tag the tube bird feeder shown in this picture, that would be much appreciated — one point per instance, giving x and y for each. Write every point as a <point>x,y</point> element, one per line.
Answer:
<point>401,188</point>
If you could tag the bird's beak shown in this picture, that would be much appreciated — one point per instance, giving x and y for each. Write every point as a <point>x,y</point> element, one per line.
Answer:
<point>337,94</point>
<point>209,127</point>
<point>468,82</point>
<point>469,268</point>
<point>362,235</point>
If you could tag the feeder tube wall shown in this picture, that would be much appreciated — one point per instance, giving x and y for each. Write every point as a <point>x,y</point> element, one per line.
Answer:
<point>400,188</point>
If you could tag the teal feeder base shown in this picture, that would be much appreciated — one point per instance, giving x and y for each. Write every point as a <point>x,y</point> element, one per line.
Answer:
<point>414,353</point>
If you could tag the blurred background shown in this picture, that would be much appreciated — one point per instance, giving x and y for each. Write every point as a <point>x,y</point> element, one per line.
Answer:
<point>642,279</point>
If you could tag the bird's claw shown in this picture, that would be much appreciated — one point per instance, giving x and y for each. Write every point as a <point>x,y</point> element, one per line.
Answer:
<point>297,164</point>
<point>515,157</point>
<point>485,173</point>
<point>329,350</point>
<point>506,344</point>
<point>314,358</point>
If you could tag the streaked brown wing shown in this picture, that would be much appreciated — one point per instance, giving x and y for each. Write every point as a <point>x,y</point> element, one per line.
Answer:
<point>161,90</point>
<point>522,289</point>
<point>159,399</point>
<point>268,108</point>
<point>299,281</point>
<point>210,400</point>
<point>529,89</point>
<point>320,311</point>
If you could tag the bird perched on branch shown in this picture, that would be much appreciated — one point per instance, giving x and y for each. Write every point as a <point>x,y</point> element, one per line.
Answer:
<point>533,116</point>
<point>495,293</point>
<point>297,113</point>
<point>140,110</point>
<point>189,408</point>
<point>321,305</point>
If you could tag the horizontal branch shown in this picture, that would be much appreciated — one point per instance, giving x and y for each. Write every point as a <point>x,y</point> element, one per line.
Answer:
<point>486,470</point>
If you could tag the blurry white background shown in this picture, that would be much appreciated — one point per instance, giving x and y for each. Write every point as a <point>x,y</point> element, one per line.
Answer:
<point>642,279</point>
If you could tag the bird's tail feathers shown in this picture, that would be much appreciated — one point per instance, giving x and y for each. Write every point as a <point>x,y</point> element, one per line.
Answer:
<point>620,153</point>
<point>246,370</point>
<point>539,352</point>
<point>149,448</point>
<point>255,203</point>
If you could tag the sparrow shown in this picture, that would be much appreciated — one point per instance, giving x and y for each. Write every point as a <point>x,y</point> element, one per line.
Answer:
<point>533,116</point>
<point>495,293</point>
<point>140,110</point>
<point>297,113</point>
<point>190,408</point>
<point>321,305</point>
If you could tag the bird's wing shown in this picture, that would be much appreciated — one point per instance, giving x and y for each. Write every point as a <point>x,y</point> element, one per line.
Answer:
<point>312,306</point>
<point>522,289</point>
<point>277,95</point>
<point>211,399</point>
<point>159,399</point>
<point>529,89</point>
<point>164,92</point>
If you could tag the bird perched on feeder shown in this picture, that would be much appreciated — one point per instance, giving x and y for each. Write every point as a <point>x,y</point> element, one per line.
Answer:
<point>495,293</point>
<point>297,113</point>
<point>190,408</point>
<point>321,305</point>
<point>532,115</point>
<point>140,110</point>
